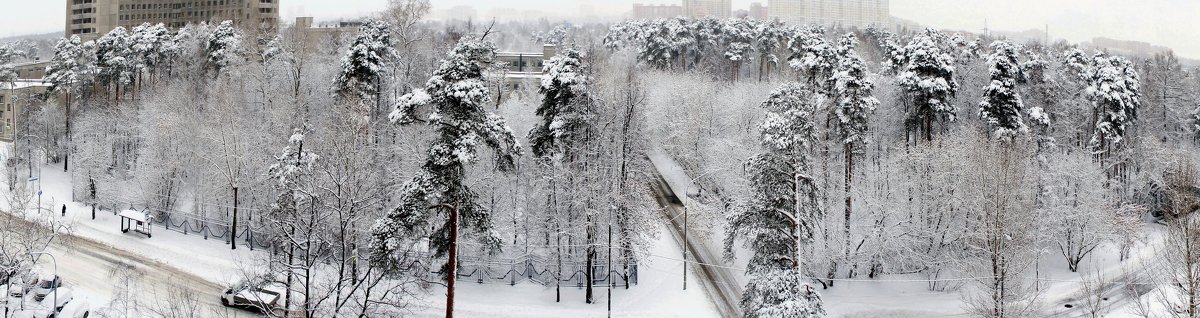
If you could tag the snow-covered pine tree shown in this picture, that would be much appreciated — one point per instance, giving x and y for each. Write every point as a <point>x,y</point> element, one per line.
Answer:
<point>738,35</point>
<point>452,102</point>
<point>71,66</point>
<point>152,44</point>
<point>8,54</point>
<point>115,59</point>
<point>292,164</point>
<point>223,47</point>
<point>557,36</point>
<point>776,292</point>
<point>855,101</point>
<point>853,92</point>
<point>812,56</point>
<point>699,38</point>
<point>1114,87</point>
<point>654,40</point>
<point>893,53</point>
<point>558,138</point>
<point>624,34</point>
<point>967,50</point>
<point>70,70</point>
<point>1001,106</point>
<point>783,210</point>
<point>928,76</point>
<point>768,37</point>
<point>366,63</point>
<point>564,111</point>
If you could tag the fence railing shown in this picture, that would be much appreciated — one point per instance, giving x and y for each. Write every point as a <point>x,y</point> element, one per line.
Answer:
<point>536,269</point>
<point>511,270</point>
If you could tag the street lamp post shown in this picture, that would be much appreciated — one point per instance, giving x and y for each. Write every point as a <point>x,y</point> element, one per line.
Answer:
<point>52,282</point>
<point>686,246</point>
<point>39,190</point>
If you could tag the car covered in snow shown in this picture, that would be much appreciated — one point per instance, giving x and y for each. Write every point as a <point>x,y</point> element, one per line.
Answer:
<point>51,307</point>
<point>46,286</point>
<point>20,285</point>
<point>78,308</point>
<point>247,296</point>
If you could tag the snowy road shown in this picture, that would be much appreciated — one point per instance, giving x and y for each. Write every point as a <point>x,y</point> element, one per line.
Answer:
<point>92,268</point>
<point>717,280</point>
<point>1117,290</point>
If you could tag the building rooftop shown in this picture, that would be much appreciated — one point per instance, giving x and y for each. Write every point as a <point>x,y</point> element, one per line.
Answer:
<point>23,83</point>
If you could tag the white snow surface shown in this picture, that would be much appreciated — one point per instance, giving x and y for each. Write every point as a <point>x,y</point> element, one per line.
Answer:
<point>659,293</point>
<point>211,259</point>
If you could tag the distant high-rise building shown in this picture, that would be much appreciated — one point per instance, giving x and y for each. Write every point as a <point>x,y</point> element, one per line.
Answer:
<point>708,8</point>
<point>92,18</point>
<point>758,11</point>
<point>846,13</point>
<point>462,13</point>
<point>646,12</point>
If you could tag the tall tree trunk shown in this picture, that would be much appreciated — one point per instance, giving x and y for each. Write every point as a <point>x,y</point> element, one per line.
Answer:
<point>929,127</point>
<point>453,267</point>
<point>233,225</point>
<point>849,149</point>
<point>67,123</point>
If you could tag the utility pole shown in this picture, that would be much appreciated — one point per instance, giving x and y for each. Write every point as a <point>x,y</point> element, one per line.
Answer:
<point>53,281</point>
<point>1047,35</point>
<point>686,245</point>
<point>609,267</point>
<point>92,186</point>
<point>685,239</point>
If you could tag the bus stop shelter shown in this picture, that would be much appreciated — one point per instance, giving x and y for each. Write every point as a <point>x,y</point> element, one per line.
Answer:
<point>135,220</point>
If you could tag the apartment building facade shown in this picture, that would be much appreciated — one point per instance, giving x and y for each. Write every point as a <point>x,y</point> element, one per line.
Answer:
<point>16,96</point>
<point>91,19</point>
<point>845,13</point>
<point>656,11</point>
<point>708,8</point>
<point>758,11</point>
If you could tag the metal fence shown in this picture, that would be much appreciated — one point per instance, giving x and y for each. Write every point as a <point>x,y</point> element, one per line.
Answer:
<point>192,224</point>
<point>526,268</point>
<point>536,269</point>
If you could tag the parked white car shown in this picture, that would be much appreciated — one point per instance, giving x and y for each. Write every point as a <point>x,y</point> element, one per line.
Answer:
<point>79,308</point>
<point>46,286</point>
<point>21,285</point>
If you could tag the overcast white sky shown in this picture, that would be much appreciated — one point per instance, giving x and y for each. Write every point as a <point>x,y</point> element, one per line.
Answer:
<point>1172,23</point>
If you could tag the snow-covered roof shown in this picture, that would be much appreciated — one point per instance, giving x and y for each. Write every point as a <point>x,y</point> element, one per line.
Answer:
<point>523,75</point>
<point>257,295</point>
<point>528,54</point>
<point>30,63</point>
<point>135,215</point>
<point>21,84</point>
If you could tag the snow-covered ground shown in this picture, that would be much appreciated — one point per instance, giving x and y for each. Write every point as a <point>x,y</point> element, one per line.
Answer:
<point>211,259</point>
<point>658,294</point>
<point>908,296</point>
